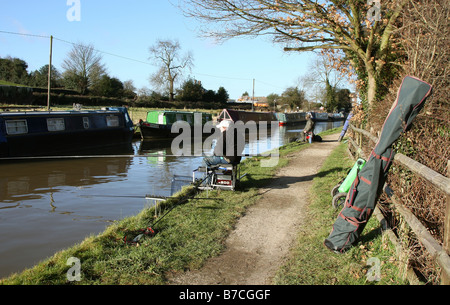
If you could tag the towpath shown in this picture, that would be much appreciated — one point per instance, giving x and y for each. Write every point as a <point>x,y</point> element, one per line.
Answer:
<point>258,246</point>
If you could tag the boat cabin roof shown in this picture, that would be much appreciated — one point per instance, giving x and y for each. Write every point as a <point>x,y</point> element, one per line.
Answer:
<point>176,112</point>
<point>38,113</point>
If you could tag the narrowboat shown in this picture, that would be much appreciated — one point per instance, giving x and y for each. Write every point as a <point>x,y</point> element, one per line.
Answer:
<point>247,116</point>
<point>159,123</point>
<point>51,133</point>
<point>290,118</point>
<point>336,116</point>
<point>319,116</point>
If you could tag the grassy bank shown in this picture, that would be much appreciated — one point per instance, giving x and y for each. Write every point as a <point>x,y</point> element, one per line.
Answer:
<point>6,83</point>
<point>311,263</point>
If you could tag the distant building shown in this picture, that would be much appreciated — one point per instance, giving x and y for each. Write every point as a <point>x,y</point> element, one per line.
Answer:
<point>258,101</point>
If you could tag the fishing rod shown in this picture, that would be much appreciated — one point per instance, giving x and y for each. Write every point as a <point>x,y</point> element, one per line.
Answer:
<point>72,157</point>
<point>120,156</point>
<point>149,197</point>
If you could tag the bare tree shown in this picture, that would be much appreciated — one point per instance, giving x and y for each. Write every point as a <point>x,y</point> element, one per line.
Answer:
<point>307,25</point>
<point>166,54</point>
<point>83,67</point>
<point>322,80</point>
<point>321,73</point>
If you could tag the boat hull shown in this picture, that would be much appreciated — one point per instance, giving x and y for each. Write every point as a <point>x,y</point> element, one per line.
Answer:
<point>161,131</point>
<point>158,124</point>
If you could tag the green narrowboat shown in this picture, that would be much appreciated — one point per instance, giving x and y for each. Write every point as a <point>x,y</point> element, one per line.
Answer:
<point>159,123</point>
<point>290,118</point>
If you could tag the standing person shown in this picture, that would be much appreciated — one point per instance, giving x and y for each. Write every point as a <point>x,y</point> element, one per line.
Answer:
<point>229,146</point>
<point>309,128</point>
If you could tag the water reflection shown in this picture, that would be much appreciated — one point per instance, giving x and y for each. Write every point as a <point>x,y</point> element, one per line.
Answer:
<point>33,180</point>
<point>49,205</point>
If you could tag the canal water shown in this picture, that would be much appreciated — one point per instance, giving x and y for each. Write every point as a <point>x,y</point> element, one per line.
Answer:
<point>50,205</point>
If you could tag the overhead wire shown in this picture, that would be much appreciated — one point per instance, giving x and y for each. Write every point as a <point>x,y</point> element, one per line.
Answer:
<point>104,52</point>
<point>24,34</point>
<point>129,58</point>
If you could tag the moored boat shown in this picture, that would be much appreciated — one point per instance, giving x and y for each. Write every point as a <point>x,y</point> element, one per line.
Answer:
<point>159,123</point>
<point>336,116</point>
<point>50,133</point>
<point>319,116</point>
<point>247,116</point>
<point>290,118</point>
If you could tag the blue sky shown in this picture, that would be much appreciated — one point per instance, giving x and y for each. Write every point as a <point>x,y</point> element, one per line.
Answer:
<point>129,28</point>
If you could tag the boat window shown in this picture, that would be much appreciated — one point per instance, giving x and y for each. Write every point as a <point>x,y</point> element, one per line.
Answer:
<point>161,118</point>
<point>16,126</point>
<point>86,122</point>
<point>55,124</point>
<point>179,117</point>
<point>112,121</point>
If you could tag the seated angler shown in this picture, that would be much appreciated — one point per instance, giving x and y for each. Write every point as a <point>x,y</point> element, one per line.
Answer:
<point>229,146</point>
<point>308,132</point>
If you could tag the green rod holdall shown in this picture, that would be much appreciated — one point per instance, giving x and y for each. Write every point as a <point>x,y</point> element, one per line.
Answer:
<point>364,192</point>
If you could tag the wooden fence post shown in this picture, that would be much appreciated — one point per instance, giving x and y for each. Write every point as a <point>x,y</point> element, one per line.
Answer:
<point>445,280</point>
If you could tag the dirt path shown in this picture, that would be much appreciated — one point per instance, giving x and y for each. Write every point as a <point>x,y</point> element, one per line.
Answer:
<point>258,246</point>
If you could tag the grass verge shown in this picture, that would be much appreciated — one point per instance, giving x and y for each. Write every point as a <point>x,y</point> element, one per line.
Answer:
<point>311,263</point>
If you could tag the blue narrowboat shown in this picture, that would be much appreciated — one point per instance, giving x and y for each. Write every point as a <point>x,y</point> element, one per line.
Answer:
<point>51,133</point>
<point>336,116</point>
<point>319,116</point>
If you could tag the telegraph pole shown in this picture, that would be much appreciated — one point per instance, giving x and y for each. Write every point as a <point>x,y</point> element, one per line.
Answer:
<point>253,98</point>
<point>49,73</point>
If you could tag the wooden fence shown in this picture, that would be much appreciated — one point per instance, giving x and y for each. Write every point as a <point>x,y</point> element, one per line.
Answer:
<point>439,253</point>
